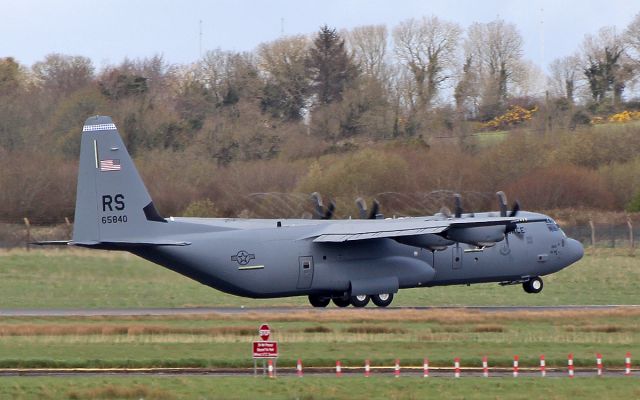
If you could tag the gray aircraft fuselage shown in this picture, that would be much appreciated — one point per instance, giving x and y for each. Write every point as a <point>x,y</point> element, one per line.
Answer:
<point>278,263</point>
<point>347,260</point>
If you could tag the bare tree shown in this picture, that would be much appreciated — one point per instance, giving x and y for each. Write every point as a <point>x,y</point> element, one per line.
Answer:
<point>62,74</point>
<point>287,86</point>
<point>528,80</point>
<point>369,46</point>
<point>496,48</point>
<point>565,73</point>
<point>427,48</point>
<point>632,37</point>
<point>228,75</point>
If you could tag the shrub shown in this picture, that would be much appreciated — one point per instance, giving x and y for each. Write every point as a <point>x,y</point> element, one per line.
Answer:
<point>634,204</point>
<point>560,186</point>
<point>201,208</point>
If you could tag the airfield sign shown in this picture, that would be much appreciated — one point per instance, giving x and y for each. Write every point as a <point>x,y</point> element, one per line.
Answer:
<point>265,348</point>
<point>264,332</point>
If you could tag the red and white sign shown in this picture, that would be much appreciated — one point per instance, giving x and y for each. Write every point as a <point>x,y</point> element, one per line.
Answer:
<point>264,332</point>
<point>264,349</point>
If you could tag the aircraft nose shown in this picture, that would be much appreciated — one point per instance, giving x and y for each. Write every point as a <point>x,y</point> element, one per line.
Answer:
<point>575,250</point>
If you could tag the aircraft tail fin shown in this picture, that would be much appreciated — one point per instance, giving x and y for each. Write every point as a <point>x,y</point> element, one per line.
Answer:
<point>112,203</point>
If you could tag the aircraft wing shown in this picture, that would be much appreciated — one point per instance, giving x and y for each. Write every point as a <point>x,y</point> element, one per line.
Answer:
<point>345,231</point>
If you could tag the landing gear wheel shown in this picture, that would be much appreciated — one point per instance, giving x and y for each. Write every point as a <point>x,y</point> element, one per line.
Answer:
<point>533,285</point>
<point>360,300</point>
<point>319,301</point>
<point>342,301</point>
<point>382,299</point>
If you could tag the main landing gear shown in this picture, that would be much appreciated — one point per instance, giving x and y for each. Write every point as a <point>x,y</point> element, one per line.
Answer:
<point>380,300</point>
<point>533,285</point>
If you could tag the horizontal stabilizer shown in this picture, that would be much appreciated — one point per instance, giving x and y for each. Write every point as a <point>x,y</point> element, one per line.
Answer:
<point>127,244</point>
<point>51,243</point>
<point>112,244</point>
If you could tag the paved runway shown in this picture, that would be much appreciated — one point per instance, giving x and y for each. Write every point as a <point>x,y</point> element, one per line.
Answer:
<point>85,312</point>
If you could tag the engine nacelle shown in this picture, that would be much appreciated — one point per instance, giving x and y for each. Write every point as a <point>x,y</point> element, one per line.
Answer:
<point>482,236</point>
<point>427,241</point>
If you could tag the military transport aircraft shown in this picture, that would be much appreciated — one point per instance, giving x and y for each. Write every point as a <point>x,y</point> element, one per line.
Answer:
<point>348,261</point>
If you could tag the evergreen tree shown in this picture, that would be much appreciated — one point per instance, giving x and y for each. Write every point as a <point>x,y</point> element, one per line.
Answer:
<point>331,69</point>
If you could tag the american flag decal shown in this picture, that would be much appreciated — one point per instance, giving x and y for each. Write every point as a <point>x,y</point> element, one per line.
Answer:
<point>110,165</point>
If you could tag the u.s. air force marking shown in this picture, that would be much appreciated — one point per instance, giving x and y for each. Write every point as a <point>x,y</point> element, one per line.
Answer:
<point>243,257</point>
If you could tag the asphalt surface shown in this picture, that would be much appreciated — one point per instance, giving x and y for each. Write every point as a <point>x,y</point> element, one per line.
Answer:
<point>104,312</point>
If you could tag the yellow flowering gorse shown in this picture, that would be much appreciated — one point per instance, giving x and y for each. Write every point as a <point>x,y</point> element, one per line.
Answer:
<point>621,117</point>
<point>515,115</point>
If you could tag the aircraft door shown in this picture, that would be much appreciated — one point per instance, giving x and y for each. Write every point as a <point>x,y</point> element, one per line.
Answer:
<point>305,274</point>
<point>456,258</point>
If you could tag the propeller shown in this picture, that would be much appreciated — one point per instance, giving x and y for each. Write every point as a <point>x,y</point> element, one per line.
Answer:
<point>319,209</point>
<point>375,209</point>
<point>458,209</point>
<point>330,210</point>
<point>502,200</point>
<point>515,209</point>
<point>362,208</point>
<point>444,210</point>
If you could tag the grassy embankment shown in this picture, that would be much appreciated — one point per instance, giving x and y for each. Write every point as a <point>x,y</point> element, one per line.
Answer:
<point>352,388</point>
<point>89,279</point>
<point>83,279</point>
<point>321,338</point>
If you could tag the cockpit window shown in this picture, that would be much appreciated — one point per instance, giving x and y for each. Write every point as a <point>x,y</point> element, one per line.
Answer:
<point>551,224</point>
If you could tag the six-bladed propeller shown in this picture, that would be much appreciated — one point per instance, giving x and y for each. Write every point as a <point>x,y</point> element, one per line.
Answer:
<point>481,236</point>
<point>362,208</point>
<point>319,211</point>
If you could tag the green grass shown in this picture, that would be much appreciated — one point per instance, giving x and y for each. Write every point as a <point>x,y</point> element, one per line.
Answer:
<point>381,337</point>
<point>352,388</point>
<point>490,138</point>
<point>94,279</point>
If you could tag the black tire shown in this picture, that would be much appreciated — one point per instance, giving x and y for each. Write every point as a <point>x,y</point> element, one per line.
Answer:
<point>382,299</point>
<point>533,285</point>
<point>360,301</point>
<point>319,301</point>
<point>342,301</point>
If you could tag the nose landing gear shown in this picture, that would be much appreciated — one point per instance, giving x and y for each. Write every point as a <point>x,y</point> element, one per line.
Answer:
<point>533,285</point>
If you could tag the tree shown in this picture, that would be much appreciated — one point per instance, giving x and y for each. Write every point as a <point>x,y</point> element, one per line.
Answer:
<point>61,74</point>
<point>466,92</point>
<point>496,48</point>
<point>427,47</point>
<point>369,47</point>
<point>329,66</point>
<point>287,87</point>
<point>564,76</point>
<point>606,66</point>
<point>632,37</point>
<point>12,80</point>
<point>228,76</point>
